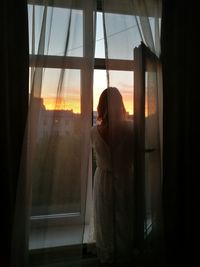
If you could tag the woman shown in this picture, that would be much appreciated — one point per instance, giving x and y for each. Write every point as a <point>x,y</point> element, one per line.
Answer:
<point>112,140</point>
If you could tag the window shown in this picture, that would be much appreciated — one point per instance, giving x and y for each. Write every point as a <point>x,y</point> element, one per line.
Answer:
<point>52,60</point>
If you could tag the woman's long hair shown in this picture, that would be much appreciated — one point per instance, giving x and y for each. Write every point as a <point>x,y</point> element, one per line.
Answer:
<point>110,108</point>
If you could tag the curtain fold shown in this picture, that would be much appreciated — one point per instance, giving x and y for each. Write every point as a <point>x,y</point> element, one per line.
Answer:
<point>148,16</point>
<point>52,183</point>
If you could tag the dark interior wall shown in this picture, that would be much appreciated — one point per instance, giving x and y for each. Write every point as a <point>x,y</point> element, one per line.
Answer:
<point>180,58</point>
<point>13,105</point>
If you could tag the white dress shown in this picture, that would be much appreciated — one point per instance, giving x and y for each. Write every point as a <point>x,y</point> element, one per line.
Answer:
<point>113,196</point>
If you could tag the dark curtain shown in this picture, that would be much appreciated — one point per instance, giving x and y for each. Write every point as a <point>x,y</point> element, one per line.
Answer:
<point>14,103</point>
<point>180,58</point>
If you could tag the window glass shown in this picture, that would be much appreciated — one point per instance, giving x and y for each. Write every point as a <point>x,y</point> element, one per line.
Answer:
<point>122,35</point>
<point>56,163</point>
<point>100,41</point>
<point>56,31</point>
<point>123,80</point>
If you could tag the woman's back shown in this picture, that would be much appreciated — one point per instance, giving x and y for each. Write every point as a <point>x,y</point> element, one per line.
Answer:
<point>113,149</point>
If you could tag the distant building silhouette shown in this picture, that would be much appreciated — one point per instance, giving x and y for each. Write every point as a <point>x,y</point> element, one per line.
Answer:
<point>57,122</point>
<point>54,122</point>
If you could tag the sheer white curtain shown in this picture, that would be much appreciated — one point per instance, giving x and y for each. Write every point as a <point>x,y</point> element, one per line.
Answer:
<point>52,187</point>
<point>126,25</point>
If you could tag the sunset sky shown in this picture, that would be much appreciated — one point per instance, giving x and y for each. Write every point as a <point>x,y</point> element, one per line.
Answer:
<point>70,97</point>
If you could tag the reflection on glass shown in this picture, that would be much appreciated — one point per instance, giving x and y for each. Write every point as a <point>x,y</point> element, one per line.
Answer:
<point>151,143</point>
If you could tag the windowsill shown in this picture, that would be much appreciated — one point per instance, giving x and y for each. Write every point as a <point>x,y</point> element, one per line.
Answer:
<point>60,245</point>
<point>58,236</point>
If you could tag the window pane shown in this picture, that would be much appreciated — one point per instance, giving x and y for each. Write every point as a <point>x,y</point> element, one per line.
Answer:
<point>152,142</point>
<point>57,27</point>
<point>56,164</point>
<point>123,80</point>
<point>99,45</point>
<point>99,84</point>
<point>122,35</point>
